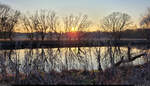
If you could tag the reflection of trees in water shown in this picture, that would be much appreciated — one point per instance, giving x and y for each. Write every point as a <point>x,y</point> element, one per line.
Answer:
<point>54,59</point>
<point>2,63</point>
<point>9,63</point>
<point>27,63</point>
<point>110,56</point>
<point>147,58</point>
<point>76,58</point>
<point>83,57</point>
<point>50,59</point>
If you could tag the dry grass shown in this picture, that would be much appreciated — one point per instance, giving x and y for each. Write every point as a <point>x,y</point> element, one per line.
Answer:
<point>121,75</point>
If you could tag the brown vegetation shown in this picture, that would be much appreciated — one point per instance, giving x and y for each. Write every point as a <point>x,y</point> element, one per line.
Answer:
<point>124,75</point>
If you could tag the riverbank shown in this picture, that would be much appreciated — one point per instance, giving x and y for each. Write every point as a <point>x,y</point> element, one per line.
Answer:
<point>22,44</point>
<point>129,75</point>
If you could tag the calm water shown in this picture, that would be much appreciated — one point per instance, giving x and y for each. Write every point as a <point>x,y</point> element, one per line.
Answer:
<point>27,60</point>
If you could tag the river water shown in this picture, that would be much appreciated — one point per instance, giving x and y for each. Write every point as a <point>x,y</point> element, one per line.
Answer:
<point>84,58</point>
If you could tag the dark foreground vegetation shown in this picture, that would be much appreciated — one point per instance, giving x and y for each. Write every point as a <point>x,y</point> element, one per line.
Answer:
<point>130,75</point>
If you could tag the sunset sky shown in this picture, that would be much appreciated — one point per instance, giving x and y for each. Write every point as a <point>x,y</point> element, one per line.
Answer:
<point>96,9</point>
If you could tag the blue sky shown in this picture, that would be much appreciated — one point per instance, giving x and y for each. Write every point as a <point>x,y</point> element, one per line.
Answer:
<point>96,9</point>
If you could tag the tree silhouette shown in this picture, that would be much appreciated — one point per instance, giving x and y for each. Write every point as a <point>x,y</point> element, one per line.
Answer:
<point>145,23</point>
<point>8,20</point>
<point>115,23</point>
<point>80,22</point>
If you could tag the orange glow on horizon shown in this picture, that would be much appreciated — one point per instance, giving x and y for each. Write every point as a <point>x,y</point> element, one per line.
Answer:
<point>74,30</point>
<point>72,35</point>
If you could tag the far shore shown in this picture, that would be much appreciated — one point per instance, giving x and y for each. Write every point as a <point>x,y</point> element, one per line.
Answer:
<point>23,44</point>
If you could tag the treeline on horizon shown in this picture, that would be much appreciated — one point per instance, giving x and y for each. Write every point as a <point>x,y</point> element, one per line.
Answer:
<point>127,34</point>
<point>43,21</point>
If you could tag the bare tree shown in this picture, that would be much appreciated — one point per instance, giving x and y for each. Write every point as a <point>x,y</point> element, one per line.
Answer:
<point>4,9</point>
<point>4,14</point>
<point>115,23</point>
<point>54,24</point>
<point>30,23</point>
<point>145,24</point>
<point>12,22</point>
<point>80,22</point>
<point>8,20</point>
<point>42,26</point>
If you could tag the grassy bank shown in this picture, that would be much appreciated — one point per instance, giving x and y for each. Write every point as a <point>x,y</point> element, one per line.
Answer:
<point>123,75</point>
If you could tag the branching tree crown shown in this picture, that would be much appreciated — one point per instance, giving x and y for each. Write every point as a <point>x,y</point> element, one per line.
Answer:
<point>116,21</point>
<point>8,19</point>
<point>145,22</point>
<point>80,22</point>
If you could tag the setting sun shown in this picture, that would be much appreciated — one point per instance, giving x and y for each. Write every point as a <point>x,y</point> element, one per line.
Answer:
<point>73,29</point>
